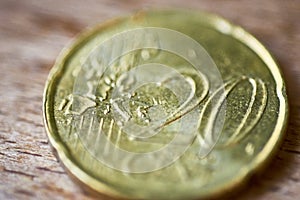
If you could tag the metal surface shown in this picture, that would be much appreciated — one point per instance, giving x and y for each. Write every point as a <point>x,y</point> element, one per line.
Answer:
<point>217,112</point>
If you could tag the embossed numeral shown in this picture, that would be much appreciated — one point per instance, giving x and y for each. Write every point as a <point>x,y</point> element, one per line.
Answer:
<point>211,133</point>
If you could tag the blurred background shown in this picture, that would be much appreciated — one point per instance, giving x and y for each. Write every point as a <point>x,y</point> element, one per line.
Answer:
<point>33,32</point>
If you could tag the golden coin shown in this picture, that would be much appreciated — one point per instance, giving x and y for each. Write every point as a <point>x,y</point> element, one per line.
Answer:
<point>165,105</point>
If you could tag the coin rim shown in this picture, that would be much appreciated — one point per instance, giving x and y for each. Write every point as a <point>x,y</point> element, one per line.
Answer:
<point>213,21</point>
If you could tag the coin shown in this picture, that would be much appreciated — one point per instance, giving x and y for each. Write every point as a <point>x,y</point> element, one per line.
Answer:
<point>165,105</point>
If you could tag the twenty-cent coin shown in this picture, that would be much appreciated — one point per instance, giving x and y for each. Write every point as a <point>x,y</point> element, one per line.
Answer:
<point>165,105</point>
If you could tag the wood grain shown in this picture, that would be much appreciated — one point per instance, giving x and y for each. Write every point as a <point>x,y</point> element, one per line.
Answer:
<point>33,32</point>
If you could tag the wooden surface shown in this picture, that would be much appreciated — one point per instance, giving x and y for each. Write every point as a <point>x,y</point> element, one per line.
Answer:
<point>33,32</point>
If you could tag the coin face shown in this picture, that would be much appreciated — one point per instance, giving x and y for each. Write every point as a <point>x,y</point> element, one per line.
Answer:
<point>165,105</point>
